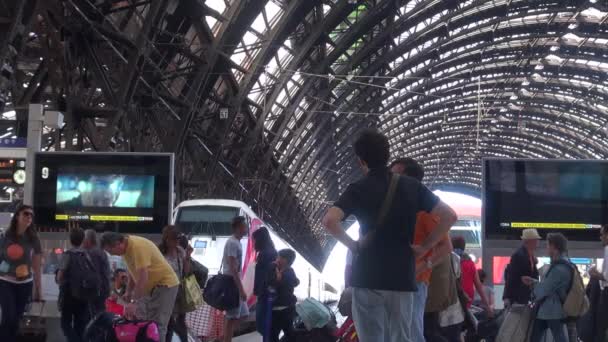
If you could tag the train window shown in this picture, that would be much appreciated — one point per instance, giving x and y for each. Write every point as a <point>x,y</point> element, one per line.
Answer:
<point>206,220</point>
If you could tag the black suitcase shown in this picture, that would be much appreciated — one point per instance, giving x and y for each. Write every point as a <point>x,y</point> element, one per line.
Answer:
<point>32,327</point>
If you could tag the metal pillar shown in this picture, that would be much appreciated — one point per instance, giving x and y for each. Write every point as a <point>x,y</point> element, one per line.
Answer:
<point>34,137</point>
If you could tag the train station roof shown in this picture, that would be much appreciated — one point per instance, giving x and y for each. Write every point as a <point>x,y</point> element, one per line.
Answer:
<point>260,99</point>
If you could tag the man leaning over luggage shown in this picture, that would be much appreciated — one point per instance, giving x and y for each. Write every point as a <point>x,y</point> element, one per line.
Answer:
<point>425,223</point>
<point>383,274</point>
<point>153,284</point>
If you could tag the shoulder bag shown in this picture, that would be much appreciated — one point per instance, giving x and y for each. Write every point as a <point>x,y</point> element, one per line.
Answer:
<point>221,292</point>
<point>386,205</point>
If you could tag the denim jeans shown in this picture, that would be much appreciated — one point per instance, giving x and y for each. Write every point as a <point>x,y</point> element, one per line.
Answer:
<point>14,299</point>
<point>418,312</point>
<point>556,326</point>
<point>383,316</point>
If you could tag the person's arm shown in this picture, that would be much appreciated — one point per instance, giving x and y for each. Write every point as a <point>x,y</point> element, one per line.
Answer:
<point>141,279</point>
<point>130,288</point>
<point>234,270</point>
<point>290,278</point>
<point>442,250</point>
<point>63,265</point>
<point>37,268</point>
<point>447,218</point>
<point>331,221</point>
<point>185,262</point>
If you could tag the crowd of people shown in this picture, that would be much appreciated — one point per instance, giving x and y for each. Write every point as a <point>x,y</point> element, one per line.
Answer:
<point>408,279</point>
<point>411,282</point>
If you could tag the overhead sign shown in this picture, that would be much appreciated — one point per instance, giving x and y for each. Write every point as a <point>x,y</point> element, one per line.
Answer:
<point>10,142</point>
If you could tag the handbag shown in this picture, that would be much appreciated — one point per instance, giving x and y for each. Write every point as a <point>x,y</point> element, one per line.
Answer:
<point>32,326</point>
<point>517,325</point>
<point>221,292</point>
<point>313,313</point>
<point>191,297</point>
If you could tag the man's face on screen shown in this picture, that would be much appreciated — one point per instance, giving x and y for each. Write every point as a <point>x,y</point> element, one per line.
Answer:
<point>104,191</point>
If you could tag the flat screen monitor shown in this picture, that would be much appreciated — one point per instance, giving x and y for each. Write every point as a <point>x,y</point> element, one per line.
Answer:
<point>567,196</point>
<point>127,191</point>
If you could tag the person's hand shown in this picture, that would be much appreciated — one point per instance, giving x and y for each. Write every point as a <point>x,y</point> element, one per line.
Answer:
<point>243,295</point>
<point>130,310</point>
<point>419,251</point>
<point>506,303</point>
<point>529,281</point>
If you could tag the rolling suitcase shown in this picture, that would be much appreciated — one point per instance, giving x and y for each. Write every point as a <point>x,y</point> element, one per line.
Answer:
<point>32,327</point>
<point>517,324</point>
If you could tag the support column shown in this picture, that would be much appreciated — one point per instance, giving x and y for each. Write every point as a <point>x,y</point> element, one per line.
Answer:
<point>34,137</point>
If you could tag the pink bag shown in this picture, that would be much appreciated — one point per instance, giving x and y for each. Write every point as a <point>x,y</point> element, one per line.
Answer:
<point>136,331</point>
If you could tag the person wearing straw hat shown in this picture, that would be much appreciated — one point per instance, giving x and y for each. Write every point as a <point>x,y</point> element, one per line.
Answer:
<point>523,264</point>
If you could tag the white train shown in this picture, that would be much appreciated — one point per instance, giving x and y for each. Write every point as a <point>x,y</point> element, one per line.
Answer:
<point>208,221</point>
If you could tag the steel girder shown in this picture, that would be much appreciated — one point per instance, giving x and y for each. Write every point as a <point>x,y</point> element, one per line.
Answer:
<point>300,79</point>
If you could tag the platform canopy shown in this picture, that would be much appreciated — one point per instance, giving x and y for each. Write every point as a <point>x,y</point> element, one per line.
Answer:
<point>260,100</point>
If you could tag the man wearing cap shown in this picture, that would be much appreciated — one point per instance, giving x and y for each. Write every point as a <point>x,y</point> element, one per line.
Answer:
<point>523,264</point>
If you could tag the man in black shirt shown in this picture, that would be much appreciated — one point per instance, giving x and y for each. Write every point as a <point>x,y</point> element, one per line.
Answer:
<point>383,271</point>
<point>522,264</point>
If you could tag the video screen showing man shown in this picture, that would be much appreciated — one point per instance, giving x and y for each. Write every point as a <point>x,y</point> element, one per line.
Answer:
<point>105,191</point>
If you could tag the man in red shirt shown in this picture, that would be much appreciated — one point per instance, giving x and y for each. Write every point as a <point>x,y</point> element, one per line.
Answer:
<point>425,224</point>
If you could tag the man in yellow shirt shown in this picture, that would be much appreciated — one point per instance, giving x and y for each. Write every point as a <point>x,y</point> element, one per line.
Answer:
<point>153,284</point>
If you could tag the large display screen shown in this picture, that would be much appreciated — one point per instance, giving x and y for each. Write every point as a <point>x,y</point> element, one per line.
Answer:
<point>127,191</point>
<point>549,195</point>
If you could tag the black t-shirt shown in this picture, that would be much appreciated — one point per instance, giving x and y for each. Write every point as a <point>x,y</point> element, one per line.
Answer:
<point>387,263</point>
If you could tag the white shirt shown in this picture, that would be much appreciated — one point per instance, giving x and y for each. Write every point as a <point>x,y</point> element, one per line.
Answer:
<point>604,283</point>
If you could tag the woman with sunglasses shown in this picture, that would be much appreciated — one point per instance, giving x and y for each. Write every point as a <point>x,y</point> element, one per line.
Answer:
<point>20,267</point>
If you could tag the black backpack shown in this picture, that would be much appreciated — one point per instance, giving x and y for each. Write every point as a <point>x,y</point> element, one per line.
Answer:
<point>83,278</point>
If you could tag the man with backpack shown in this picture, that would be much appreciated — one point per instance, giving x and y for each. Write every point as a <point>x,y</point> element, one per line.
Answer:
<point>102,265</point>
<point>80,283</point>
<point>383,271</point>
<point>551,293</point>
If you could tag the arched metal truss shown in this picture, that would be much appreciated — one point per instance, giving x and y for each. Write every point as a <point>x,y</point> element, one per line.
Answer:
<point>260,100</point>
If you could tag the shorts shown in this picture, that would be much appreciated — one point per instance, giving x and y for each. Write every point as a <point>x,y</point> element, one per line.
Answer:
<point>239,312</point>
